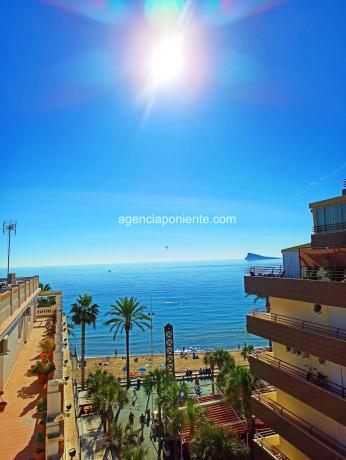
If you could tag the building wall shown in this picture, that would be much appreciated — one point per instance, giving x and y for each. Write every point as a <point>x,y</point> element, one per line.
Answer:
<point>290,451</point>
<point>310,415</point>
<point>329,316</point>
<point>17,334</point>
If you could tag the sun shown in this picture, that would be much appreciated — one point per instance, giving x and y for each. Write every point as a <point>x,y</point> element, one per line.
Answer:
<point>167,61</point>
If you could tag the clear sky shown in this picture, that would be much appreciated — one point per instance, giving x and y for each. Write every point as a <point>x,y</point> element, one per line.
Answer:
<point>253,127</point>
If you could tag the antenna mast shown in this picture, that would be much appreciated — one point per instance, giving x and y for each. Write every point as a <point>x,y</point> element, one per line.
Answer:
<point>9,226</point>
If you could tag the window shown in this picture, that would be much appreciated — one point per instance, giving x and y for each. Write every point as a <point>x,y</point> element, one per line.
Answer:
<point>320,216</point>
<point>328,211</point>
<point>337,213</point>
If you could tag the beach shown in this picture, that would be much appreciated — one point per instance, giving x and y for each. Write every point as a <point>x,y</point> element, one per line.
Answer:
<point>115,365</point>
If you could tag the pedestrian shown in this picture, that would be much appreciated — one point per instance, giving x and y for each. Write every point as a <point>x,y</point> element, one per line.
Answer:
<point>142,420</point>
<point>131,418</point>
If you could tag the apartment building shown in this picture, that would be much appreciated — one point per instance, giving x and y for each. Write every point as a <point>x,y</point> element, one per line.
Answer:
<point>306,324</point>
<point>24,319</point>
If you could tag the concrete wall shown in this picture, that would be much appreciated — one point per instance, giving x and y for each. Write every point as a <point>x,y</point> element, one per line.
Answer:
<point>17,334</point>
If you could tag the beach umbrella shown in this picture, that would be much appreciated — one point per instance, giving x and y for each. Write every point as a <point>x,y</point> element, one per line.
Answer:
<point>142,369</point>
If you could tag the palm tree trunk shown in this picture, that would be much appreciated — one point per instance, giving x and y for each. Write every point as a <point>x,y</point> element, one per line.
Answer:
<point>212,380</point>
<point>83,353</point>
<point>128,382</point>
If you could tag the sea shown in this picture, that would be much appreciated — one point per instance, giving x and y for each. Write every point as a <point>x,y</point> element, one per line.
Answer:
<point>203,300</point>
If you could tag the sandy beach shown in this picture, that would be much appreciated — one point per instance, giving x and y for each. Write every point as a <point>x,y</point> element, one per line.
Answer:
<point>115,365</point>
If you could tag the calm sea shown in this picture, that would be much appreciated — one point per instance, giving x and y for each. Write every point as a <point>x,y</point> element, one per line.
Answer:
<point>204,301</point>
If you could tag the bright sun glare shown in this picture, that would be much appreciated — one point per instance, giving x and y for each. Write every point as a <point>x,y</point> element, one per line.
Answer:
<point>167,61</point>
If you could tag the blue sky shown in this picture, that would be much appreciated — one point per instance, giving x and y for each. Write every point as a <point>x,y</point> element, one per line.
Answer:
<point>255,130</point>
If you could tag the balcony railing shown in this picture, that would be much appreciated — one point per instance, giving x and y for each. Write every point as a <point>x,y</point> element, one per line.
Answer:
<point>318,378</point>
<point>329,228</point>
<point>316,274</point>
<point>303,424</point>
<point>309,326</point>
<point>265,444</point>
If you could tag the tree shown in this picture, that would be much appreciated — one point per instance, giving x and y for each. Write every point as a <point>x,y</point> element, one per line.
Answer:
<point>240,385</point>
<point>215,443</point>
<point>219,358</point>
<point>246,351</point>
<point>45,287</point>
<point>107,397</point>
<point>126,313</point>
<point>195,415</point>
<point>158,380</point>
<point>84,312</point>
<point>136,453</point>
<point>124,439</point>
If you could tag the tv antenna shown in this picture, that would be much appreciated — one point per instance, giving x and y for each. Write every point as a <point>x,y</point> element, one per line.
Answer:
<point>10,227</point>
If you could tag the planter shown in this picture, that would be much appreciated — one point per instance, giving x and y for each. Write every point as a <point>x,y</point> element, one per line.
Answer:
<point>3,404</point>
<point>40,455</point>
<point>42,379</point>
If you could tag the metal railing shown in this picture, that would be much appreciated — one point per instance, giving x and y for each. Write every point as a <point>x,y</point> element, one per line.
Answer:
<point>329,228</point>
<point>309,326</point>
<point>311,429</point>
<point>315,378</point>
<point>265,444</point>
<point>306,273</point>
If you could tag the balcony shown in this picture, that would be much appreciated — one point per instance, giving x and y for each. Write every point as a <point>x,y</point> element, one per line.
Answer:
<point>308,439</point>
<point>325,342</point>
<point>266,447</point>
<point>313,389</point>
<point>313,286</point>
<point>329,235</point>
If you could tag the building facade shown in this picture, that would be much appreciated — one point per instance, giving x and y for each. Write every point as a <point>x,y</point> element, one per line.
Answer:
<point>306,324</point>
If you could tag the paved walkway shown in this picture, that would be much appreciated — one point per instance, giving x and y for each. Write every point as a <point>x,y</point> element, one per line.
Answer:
<point>18,421</point>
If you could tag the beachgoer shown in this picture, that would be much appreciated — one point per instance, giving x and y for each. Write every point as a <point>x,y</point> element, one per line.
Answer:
<point>138,384</point>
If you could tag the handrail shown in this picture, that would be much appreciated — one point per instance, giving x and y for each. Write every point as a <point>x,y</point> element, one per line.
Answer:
<point>306,273</point>
<point>325,228</point>
<point>307,375</point>
<point>262,441</point>
<point>309,326</point>
<point>279,409</point>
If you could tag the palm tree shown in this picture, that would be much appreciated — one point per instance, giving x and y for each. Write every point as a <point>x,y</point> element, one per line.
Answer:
<point>84,312</point>
<point>158,380</point>
<point>107,397</point>
<point>124,437</point>
<point>126,313</point>
<point>219,358</point>
<point>137,453</point>
<point>240,385</point>
<point>45,287</point>
<point>246,351</point>
<point>195,415</point>
<point>216,443</point>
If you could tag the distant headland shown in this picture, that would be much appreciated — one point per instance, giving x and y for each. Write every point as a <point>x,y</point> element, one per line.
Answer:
<point>251,256</point>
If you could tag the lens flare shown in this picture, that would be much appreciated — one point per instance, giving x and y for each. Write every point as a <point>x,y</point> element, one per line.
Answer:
<point>167,61</point>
